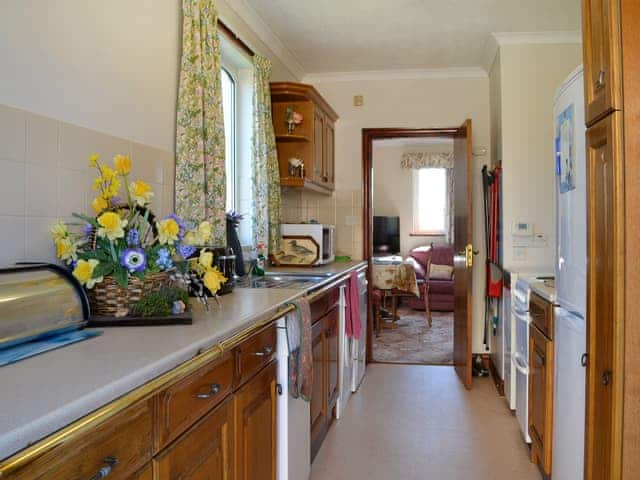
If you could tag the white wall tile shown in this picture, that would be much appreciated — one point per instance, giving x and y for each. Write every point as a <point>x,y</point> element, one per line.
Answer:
<point>42,140</point>
<point>13,245</point>
<point>41,191</point>
<point>12,134</point>
<point>12,184</point>
<point>148,163</point>
<point>77,144</point>
<point>38,243</point>
<point>72,192</point>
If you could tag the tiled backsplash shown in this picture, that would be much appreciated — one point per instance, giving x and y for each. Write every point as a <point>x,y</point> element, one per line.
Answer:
<point>44,176</point>
<point>342,209</point>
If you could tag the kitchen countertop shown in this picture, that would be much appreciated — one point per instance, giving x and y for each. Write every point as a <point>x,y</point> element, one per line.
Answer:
<point>49,391</point>
<point>545,288</point>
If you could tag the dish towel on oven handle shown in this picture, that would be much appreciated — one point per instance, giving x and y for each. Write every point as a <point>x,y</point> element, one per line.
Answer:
<point>300,350</point>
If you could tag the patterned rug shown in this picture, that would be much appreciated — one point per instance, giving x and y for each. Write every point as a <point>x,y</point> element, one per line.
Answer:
<point>414,341</point>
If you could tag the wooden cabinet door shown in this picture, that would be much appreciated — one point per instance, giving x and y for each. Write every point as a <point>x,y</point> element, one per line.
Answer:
<point>204,452</point>
<point>331,334</point>
<point>605,310</point>
<point>255,427</point>
<point>601,33</point>
<point>318,394</point>
<point>145,474</point>
<point>541,398</point>
<point>329,154</point>
<point>318,145</point>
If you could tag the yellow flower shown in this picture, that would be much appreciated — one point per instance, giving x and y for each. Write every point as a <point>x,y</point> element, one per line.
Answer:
<point>112,190</point>
<point>206,259</point>
<point>99,204</point>
<point>66,250</point>
<point>111,225</point>
<point>108,173</point>
<point>168,230</point>
<point>122,163</point>
<point>199,236</point>
<point>214,279</point>
<point>140,192</point>
<point>59,231</point>
<point>93,159</point>
<point>84,272</point>
<point>97,183</point>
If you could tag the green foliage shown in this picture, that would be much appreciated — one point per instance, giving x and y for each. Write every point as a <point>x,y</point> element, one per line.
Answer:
<point>159,304</point>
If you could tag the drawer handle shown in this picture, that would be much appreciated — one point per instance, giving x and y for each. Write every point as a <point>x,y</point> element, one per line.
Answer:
<point>214,389</point>
<point>264,352</point>
<point>109,462</point>
<point>606,377</point>
<point>600,81</point>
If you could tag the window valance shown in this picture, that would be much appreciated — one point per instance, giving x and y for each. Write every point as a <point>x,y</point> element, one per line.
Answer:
<point>417,160</point>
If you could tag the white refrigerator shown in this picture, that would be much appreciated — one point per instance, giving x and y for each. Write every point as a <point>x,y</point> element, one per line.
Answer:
<point>571,270</point>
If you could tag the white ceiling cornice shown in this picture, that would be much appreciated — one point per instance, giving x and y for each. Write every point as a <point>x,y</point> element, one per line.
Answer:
<point>399,74</point>
<point>267,35</point>
<point>498,39</point>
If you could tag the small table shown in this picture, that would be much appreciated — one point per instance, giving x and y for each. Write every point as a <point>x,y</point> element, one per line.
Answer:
<point>395,279</point>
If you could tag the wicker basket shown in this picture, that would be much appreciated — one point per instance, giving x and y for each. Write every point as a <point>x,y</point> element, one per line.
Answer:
<point>108,297</point>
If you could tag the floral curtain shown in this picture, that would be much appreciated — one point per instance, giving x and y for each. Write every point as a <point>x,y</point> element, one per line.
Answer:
<point>266,173</point>
<point>418,160</point>
<point>200,156</point>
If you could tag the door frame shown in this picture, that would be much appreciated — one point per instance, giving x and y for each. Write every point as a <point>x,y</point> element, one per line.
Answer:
<point>368,136</point>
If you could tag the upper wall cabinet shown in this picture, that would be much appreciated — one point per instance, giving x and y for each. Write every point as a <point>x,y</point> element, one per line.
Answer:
<point>304,127</point>
<point>602,76</point>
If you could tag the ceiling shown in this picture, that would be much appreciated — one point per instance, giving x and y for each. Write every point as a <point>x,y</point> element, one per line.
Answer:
<point>364,35</point>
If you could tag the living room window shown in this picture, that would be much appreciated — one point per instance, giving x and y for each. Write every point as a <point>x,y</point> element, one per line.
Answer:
<point>430,201</point>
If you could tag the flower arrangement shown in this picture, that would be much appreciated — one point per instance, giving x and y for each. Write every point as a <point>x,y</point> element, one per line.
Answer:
<point>293,119</point>
<point>125,242</point>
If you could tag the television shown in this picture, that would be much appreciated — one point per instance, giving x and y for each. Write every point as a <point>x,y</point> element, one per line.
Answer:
<point>386,235</point>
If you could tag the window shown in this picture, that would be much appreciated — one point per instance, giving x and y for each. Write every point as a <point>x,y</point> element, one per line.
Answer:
<point>430,201</point>
<point>230,133</point>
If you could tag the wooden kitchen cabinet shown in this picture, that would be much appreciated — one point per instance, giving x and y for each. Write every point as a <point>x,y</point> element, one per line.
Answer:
<point>313,141</point>
<point>602,60</point>
<point>145,474</point>
<point>255,427</point>
<point>605,299</point>
<point>205,451</point>
<point>541,364</point>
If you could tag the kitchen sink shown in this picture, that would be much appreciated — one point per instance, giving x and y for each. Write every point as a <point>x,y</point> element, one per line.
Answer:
<point>279,280</point>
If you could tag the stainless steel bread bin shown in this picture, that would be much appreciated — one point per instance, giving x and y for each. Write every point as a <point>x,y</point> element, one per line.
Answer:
<point>38,300</point>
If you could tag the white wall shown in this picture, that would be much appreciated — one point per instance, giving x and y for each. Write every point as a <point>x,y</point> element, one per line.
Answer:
<point>82,76</point>
<point>393,191</point>
<point>409,103</point>
<point>111,66</point>
<point>527,77</point>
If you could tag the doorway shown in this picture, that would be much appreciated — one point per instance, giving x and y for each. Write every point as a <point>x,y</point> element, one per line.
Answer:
<point>410,265</point>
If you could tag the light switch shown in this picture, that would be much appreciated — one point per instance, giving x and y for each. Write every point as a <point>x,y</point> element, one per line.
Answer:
<point>358,100</point>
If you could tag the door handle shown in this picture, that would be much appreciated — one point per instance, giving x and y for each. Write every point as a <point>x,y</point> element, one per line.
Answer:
<point>468,254</point>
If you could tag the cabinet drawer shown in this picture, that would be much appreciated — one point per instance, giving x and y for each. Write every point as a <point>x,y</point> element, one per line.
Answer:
<point>121,445</point>
<point>254,353</point>
<point>181,404</point>
<point>541,314</point>
<point>205,451</point>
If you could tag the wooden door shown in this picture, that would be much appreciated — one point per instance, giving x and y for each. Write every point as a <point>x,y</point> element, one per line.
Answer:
<point>204,452</point>
<point>145,474</point>
<point>463,260</point>
<point>605,299</point>
<point>541,398</point>
<point>329,154</point>
<point>601,50</point>
<point>318,145</point>
<point>331,335</point>
<point>318,394</point>
<point>255,427</point>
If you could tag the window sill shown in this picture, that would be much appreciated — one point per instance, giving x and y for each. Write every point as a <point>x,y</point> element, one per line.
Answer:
<point>427,234</point>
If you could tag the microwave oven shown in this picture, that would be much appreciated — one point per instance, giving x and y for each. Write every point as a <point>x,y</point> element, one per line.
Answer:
<point>323,235</point>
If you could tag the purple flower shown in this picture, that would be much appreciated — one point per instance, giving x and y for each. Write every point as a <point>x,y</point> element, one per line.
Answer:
<point>134,260</point>
<point>186,251</point>
<point>133,238</point>
<point>87,229</point>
